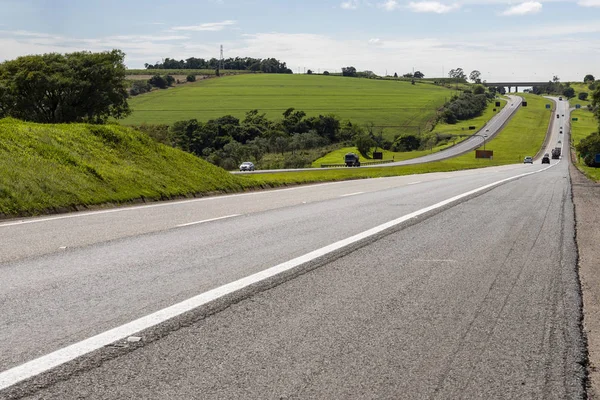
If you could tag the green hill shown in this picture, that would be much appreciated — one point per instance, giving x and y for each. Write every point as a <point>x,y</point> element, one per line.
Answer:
<point>398,105</point>
<point>54,167</point>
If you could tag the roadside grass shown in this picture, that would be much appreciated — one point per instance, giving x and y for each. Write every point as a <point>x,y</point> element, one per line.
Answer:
<point>585,125</point>
<point>394,106</point>
<point>53,167</point>
<point>523,135</point>
<point>580,88</point>
<point>460,128</point>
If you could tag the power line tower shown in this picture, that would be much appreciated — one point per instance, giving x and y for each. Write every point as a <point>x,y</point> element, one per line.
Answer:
<point>221,60</point>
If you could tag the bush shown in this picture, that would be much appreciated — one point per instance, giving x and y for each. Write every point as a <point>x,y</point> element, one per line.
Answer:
<point>588,148</point>
<point>406,143</point>
<point>158,81</point>
<point>190,78</point>
<point>582,96</point>
<point>139,87</point>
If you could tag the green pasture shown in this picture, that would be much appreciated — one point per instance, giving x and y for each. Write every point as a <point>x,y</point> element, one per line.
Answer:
<point>522,136</point>
<point>460,128</point>
<point>585,125</point>
<point>394,106</point>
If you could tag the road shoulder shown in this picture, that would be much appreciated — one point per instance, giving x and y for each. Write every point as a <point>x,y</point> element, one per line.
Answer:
<point>586,197</point>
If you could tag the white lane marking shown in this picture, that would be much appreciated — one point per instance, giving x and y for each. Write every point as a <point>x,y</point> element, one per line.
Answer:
<point>69,353</point>
<point>351,194</point>
<point>414,183</point>
<point>208,220</point>
<point>164,204</point>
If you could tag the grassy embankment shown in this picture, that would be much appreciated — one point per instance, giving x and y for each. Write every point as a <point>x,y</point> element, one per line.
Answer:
<point>586,124</point>
<point>398,106</point>
<point>461,128</point>
<point>52,167</point>
<point>523,136</point>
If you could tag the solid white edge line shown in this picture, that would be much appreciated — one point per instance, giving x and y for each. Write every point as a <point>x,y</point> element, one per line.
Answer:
<point>42,364</point>
<point>208,220</point>
<point>351,194</point>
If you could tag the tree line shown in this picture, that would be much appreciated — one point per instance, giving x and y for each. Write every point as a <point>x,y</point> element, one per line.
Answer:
<point>75,87</point>
<point>266,65</point>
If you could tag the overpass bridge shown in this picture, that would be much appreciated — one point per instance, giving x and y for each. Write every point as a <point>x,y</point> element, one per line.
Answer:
<point>516,85</point>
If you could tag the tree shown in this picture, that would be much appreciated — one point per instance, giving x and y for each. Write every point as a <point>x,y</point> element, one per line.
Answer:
<point>475,76</point>
<point>478,89</point>
<point>348,71</point>
<point>569,92</point>
<point>309,72</point>
<point>555,79</point>
<point>325,72</point>
<point>457,73</point>
<point>419,75</point>
<point>158,81</point>
<point>588,78</point>
<point>395,74</point>
<point>589,147</point>
<point>74,87</point>
<point>582,96</point>
<point>364,142</point>
<point>191,78</point>
<point>139,87</point>
<point>408,75</point>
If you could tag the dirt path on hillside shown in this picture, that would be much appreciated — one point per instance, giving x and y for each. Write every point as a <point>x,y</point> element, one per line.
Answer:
<point>586,197</point>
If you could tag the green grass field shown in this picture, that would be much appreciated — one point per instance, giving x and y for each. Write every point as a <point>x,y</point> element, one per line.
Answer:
<point>523,136</point>
<point>586,124</point>
<point>396,105</point>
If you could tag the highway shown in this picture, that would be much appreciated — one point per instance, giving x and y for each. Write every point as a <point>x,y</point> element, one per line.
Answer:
<point>490,130</point>
<point>436,286</point>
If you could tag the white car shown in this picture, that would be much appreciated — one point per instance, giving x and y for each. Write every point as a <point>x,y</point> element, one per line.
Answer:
<point>247,166</point>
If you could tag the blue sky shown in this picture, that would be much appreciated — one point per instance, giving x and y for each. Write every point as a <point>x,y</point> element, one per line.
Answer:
<point>503,39</point>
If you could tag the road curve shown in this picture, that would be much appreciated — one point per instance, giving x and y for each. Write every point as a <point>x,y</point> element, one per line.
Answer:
<point>491,129</point>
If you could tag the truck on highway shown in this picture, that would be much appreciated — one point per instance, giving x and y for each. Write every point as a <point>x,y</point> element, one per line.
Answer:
<point>352,160</point>
<point>556,152</point>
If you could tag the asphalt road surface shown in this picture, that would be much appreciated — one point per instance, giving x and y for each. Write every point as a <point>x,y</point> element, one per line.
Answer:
<point>477,298</point>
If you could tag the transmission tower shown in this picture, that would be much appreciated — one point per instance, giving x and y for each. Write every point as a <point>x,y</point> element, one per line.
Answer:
<point>221,60</point>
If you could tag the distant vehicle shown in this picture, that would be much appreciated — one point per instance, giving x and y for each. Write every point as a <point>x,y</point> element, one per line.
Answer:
<point>528,160</point>
<point>547,155</point>
<point>352,160</point>
<point>559,142</point>
<point>560,98</point>
<point>557,116</point>
<point>247,166</point>
<point>556,152</point>
<point>546,160</point>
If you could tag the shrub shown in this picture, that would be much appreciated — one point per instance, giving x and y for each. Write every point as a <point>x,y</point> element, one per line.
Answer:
<point>190,78</point>
<point>588,148</point>
<point>582,96</point>
<point>139,87</point>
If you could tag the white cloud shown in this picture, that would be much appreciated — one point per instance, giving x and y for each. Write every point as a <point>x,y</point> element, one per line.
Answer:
<point>528,7</point>
<point>210,26</point>
<point>349,5</point>
<point>431,7</point>
<point>389,5</point>
<point>589,3</point>
<point>374,40</point>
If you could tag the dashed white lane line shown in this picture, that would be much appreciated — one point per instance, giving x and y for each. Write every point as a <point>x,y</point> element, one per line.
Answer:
<point>413,183</point>
<point>351,194</point>
<point>208,220</point>
<point>42,364</point>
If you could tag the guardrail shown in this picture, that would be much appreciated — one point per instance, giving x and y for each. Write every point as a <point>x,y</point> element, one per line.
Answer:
<point>362,163</point>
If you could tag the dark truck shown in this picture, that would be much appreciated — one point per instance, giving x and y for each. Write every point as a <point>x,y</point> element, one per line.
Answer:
<point>556,152</point>
<point>352,160</point>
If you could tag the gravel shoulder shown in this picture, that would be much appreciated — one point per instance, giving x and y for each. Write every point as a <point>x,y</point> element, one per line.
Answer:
<point>586,197</point>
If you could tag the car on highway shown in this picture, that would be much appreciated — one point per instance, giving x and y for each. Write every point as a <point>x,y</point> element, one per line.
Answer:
<point>546,159</point>
<point>247,166</point>
<point>528,160</point>
<point>560,98</point>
